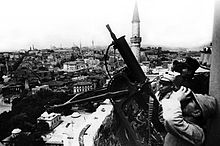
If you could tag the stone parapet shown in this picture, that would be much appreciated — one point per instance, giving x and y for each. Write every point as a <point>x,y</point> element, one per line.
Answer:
<point>81,128</point>
<point>89,132</point>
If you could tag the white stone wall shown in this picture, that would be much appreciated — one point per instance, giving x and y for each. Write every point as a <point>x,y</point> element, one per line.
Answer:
<point>83,128</point>
<point>136,29</point>
<point>136,51</point>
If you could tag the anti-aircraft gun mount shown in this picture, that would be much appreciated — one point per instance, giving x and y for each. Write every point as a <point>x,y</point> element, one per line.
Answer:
<point>134,102</point>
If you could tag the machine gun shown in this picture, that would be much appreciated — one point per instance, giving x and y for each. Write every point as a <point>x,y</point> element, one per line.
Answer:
<point>127,88</point>
<point>144,96</point>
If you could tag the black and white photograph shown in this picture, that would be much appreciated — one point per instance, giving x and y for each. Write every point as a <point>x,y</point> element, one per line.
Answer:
<point>109,72</point>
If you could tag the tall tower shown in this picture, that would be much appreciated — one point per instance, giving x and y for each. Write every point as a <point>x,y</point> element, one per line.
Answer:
<point>136,39</point>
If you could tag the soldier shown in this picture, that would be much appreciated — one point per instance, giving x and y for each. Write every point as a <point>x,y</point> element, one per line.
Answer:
<point>185,114</point>
<point>164,91</point>
<point>187,78</point>
<point>165,86</point>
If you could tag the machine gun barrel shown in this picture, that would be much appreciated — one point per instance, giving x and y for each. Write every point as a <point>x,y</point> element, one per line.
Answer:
<point>132,63</point>
<point>128,57</point>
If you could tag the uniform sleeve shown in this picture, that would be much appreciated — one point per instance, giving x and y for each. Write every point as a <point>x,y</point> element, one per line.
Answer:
<point>177,126</point>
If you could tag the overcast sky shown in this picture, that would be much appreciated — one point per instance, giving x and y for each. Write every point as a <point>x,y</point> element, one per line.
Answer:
<point>45,23</point>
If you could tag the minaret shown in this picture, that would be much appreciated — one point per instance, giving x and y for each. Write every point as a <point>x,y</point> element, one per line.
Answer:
<point>136,39</point>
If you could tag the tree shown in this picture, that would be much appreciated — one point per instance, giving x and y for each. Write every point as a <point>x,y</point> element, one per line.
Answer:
<point>1,79</point>
<point>15,101</point>
<point>73,57</point>
<point>18,121</point>
<point>23,140</point>
<point>5,125</point>
<point>37,140</point>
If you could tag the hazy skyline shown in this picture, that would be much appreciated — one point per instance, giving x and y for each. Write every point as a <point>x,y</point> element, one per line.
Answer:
<point>45,23</point>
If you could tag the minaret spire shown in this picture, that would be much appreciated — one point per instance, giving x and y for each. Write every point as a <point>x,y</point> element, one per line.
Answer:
<point>136,39</point>
<point>135,14</point>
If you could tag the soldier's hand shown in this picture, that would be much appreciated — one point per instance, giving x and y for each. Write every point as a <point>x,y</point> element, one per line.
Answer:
<point>181,94</point>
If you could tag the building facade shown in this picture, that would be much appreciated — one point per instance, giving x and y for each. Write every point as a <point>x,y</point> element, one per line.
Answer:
<point>82,87</point>
<point>53,119</point>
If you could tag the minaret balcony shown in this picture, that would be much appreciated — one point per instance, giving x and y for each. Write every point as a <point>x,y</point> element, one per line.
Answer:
<point>135,39</point>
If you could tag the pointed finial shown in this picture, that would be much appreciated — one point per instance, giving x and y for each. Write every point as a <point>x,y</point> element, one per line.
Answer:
<point>135,14</point>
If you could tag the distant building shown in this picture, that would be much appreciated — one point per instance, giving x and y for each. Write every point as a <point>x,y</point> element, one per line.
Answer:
<point>92,62</point>
<point>53,119</point>
<point>79,78</point>
<point>145,66</point>
<point>12,89</point>
<point>38,88</point>
<point>10,92</point>
<point>44,75</point>
<point>64,53</point>
<point>165,64</point>
<point>82,87</point>
<point>33,52</point>
<point>10,140</point>
<point>73,66</point>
